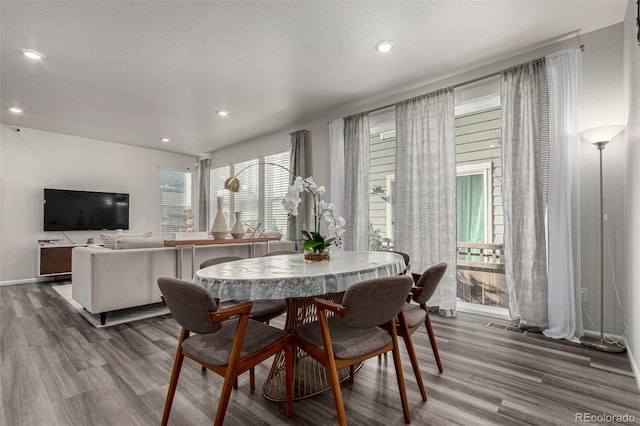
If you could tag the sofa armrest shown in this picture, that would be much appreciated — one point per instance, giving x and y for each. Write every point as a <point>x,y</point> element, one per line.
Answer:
<point>104,280</point>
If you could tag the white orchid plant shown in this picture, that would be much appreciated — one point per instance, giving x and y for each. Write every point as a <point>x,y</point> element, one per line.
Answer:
<point>314,240</point>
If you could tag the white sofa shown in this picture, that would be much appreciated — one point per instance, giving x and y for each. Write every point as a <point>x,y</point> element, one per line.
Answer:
<point>105,279</point>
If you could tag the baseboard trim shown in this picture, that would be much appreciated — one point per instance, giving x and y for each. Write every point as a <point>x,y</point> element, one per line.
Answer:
<point>27,281</point>
<point>487,311</point>
<point>634,366</point>
<point>596,335</point>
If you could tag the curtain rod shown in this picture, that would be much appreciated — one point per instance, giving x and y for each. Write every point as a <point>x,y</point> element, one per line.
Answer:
<point>473,80</point>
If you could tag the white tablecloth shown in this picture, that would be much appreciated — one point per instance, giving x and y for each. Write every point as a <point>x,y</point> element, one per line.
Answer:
<point>280,277</point>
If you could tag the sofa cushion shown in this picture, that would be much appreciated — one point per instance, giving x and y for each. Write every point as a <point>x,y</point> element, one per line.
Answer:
<point>138,242</point>
<point>109,240</point>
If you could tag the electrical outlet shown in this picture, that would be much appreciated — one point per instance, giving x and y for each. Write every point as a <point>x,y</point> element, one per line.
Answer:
<point>584,294</point>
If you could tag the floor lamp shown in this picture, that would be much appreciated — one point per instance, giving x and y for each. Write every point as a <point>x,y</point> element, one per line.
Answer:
<point>600,136</point>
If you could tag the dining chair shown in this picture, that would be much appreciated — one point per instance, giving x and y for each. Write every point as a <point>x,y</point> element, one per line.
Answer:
<point>425,285</point>
<point>407,262</point>
<point>225,341</point>
<point>350,334</point>
<point>262,310</point>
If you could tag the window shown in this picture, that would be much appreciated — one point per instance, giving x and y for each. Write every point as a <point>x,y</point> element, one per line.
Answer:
<point>382,167</point>
<point>262,188</point>
<point>276,184</point>
<point>246,200</point>
<point>175,187</point>
<point>473,204</point>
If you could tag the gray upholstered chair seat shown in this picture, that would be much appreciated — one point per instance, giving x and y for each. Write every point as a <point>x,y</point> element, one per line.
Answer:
<point>214,348</point>
<point>415,316</point>
<point>261,308</point>
<point>347,342</point>
<point>268,308</point>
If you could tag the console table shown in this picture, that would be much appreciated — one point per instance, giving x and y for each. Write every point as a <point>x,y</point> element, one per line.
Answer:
<point>180,245</point>
<point>55,259</point>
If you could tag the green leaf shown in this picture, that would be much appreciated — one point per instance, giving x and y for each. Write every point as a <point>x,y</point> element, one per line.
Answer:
<point>310,245</point>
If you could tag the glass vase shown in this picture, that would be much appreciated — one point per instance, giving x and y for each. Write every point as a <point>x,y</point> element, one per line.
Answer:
<point>314,256</point>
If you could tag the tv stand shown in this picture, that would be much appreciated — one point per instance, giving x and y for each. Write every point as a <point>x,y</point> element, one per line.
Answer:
<point>55,259</point>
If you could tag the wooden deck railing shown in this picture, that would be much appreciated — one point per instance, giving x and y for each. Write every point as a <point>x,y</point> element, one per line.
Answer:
<point>480,275</point>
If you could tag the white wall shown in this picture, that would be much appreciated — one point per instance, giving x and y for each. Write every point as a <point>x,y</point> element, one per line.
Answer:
<point>31,160</point>
<point>602,103</point>
<point>631,66</point>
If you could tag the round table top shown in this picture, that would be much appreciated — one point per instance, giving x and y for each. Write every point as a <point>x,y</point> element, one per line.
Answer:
<point>280,277</point>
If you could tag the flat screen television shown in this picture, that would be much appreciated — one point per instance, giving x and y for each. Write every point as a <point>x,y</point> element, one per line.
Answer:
<point>67,210</point>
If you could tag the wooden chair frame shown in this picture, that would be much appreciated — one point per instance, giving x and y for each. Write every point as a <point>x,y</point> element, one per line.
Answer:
<point>328,360</point>
<point>236,365</point>
<point>427,323</point>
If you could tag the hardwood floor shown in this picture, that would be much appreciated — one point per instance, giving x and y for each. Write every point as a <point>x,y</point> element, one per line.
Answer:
<point>57,369</point>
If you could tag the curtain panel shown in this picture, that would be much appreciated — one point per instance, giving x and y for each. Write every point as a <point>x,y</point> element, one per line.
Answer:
<point>356,182</point>
<point>336,160</point>
<point>297,150</point>
<point>203,194</point>
<point>564,72</point>
<point>525,159</point>
<point>425,189</point>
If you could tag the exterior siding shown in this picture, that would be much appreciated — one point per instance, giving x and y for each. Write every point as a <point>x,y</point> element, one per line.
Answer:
<point>479,140</point>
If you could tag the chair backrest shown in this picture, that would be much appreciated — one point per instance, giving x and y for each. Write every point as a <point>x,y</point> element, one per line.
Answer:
<point>407,260</point>
<point>190,304</point>
<point>217,260</point>
<point>429,280</point>
<point>374,302</point>
<point>281,252</point>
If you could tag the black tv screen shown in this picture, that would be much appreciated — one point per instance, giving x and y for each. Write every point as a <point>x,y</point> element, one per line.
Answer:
<point>66,210</point>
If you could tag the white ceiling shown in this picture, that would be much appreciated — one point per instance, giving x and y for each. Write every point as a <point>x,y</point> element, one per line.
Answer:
<point>133,72</point>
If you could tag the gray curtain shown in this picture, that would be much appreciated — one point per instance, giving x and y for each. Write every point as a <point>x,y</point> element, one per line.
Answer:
<point>356,182</point>
<point>525,159</point>
<point>298,167</point>
<point>203,194</point>
<point>425,189</point>
<point>336,161</point>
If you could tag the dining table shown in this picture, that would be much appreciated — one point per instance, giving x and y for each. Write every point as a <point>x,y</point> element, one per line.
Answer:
<point>299,282</point>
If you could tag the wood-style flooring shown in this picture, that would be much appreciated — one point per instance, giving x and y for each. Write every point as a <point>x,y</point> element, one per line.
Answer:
<point>57,369</point>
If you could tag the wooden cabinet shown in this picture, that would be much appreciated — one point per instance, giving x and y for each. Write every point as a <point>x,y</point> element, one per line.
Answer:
<point>55,259</point>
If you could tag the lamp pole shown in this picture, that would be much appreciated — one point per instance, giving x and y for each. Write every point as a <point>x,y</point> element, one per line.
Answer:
<point>590,341</point>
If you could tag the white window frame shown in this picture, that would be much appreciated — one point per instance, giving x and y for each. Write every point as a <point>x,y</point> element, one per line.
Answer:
<point>390,185</point>
<point>167,230</point>
<point>486,170</point>
<point>233,167</point>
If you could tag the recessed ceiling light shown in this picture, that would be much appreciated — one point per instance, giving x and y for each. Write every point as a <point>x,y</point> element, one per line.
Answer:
<point>165,140</point>
<point>385,46</point>
<point>15,110</point>
<point>32,54</point>
<point>223,113</point>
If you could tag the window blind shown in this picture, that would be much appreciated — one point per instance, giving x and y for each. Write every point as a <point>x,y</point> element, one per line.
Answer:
<point>217,178</point>
<point>276,184</point>
<point>175,187</point>
<point>246,199</point>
